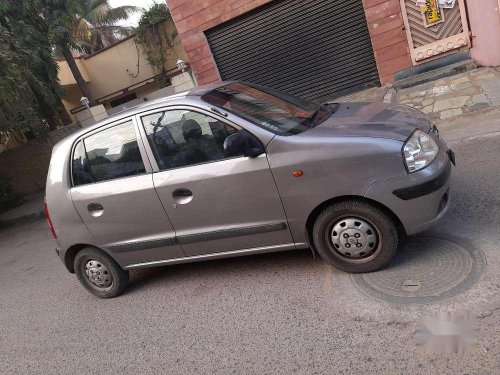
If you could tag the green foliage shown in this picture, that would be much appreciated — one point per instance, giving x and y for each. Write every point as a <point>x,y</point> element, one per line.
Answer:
<point>85,26</point>
<point>29,90</point>
<point>8,198</point>
<point>30,32</point>
<point>155,40</point>
<point>157,13</point>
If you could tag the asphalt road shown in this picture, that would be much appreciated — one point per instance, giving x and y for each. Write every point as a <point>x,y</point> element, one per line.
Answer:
<point>281,313</point>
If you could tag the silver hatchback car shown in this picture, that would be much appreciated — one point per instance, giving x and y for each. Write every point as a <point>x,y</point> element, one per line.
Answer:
<point>233,169</point>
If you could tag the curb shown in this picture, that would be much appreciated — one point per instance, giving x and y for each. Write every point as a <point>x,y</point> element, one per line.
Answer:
<point>390,96</point>
<point>21,220</point>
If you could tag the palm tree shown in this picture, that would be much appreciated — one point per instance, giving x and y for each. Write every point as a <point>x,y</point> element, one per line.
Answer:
<point>97,27</point>
<point>84,26</point>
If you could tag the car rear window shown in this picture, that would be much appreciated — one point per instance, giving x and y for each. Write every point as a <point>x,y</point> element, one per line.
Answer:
<point>109,154</point>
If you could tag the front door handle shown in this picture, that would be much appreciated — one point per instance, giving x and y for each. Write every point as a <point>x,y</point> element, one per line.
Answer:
<point>182,196</point>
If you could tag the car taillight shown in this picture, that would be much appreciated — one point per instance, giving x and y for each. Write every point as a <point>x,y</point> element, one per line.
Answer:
<point>49,222</point>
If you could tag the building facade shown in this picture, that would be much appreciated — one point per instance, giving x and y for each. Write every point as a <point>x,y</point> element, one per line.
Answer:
<point>321,49</point>
<point>117,75</point>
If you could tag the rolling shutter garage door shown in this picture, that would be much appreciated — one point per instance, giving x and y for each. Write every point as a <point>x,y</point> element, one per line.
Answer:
<point>316,49</point>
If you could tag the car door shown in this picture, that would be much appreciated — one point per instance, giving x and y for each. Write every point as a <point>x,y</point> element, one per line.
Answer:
<point>113,192</point>
<point>216,203</point>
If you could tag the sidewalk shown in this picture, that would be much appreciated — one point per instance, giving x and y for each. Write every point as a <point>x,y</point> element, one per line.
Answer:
<point>372,95</point>
<point>443,99</point>
<point>31,210</point>
<point>471,125</point>
<point>450,97</point>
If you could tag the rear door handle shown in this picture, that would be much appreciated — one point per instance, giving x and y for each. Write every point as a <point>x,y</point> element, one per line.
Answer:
<point>95,207</point>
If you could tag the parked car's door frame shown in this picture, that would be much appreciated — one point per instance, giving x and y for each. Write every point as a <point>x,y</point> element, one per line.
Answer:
<point>266,234</point>
<point>174,107</point>
<point>140,142</point>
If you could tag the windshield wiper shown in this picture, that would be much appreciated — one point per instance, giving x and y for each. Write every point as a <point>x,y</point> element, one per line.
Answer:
<point>316,118</point>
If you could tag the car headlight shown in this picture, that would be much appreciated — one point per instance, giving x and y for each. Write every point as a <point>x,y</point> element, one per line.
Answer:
<point>419,151</point>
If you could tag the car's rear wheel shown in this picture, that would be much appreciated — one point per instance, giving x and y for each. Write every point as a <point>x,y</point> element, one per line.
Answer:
<point>355,236</point>
<point>99,273</point>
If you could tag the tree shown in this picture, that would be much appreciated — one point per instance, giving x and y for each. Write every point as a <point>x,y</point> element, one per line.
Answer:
<point>97,27</point>
<point>154,38</point>
<point>30,94</point>
<point>84,26</point>
<point>29,88</point>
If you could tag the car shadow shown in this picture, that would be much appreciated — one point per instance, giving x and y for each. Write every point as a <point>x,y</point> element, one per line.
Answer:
<point>258,265</point>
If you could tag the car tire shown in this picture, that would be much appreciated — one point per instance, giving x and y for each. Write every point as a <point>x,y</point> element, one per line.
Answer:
<point>355,236</point>
<point>99,273</point>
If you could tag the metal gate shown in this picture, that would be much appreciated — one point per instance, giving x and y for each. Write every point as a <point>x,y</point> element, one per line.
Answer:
<point>428,42</point>
<point>316,49</point>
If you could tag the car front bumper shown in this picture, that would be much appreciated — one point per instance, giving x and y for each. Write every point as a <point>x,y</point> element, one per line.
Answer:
<point>418,199</point>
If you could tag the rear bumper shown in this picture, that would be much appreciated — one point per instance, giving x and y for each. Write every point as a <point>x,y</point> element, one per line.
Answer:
<point>419,199</point>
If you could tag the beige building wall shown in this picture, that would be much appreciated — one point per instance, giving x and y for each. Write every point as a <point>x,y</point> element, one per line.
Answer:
<point>116,71</point>
<point>66,77</point>
<point>116,68</point>
<point>71,98</point>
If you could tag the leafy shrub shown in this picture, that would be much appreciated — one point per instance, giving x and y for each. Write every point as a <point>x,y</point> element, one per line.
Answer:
<point>8,198</point>
<point>157,43</point>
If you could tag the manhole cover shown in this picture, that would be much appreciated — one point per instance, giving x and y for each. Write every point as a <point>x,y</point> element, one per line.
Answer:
<point>411,285</point>
<point>425,270</point>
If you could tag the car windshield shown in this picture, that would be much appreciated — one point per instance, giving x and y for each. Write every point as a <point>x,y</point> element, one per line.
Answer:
<point>270,109</point>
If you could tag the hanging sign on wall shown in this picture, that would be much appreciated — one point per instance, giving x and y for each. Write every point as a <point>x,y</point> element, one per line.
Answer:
<point>432,13</point>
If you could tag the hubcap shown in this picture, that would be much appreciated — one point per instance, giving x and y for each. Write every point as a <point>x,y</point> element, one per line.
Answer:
<point>98,274</point>
<point>354,237</point>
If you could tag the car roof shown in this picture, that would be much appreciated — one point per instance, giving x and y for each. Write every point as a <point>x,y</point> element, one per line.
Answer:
<point>196,92</point>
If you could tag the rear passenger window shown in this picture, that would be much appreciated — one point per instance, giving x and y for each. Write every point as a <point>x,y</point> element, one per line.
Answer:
<point>109,154</point>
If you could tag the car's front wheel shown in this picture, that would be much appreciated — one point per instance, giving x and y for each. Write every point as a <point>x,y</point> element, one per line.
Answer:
<point>355,236</point>
<point>99,273</point>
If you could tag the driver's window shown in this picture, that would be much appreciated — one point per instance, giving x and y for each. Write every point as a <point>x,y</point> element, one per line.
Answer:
<point>180,138</point>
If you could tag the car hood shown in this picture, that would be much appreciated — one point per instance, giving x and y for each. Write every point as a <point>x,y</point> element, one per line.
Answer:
<point>377,120</point>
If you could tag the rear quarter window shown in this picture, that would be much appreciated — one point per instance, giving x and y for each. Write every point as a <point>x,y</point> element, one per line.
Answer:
<point>80,166</point>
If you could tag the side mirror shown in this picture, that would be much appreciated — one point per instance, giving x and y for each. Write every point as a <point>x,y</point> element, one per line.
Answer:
<point>243,143</point>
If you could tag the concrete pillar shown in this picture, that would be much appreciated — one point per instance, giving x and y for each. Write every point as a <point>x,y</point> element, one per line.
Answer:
<point>182,82</point>
<point>91,115</point>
